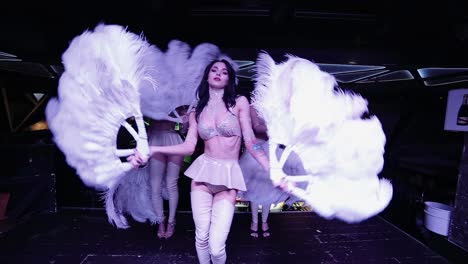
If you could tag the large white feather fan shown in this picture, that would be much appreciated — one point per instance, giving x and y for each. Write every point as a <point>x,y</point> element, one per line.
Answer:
<point>97,93</point>
<point>341,152</point>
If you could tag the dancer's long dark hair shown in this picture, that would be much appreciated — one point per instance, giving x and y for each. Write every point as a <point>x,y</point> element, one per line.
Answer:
<point>203,93</point>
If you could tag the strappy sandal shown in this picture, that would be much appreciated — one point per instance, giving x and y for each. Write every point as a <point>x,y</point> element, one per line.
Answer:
<point>162,229</point>
<point>254,230</point>
<point>170,229</point>
<point>265,230</point>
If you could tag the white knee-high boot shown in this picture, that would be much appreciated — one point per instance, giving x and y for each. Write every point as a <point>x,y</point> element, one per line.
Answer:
<point>172,176</point>
<point>201,209</point>
<point>221,220</point>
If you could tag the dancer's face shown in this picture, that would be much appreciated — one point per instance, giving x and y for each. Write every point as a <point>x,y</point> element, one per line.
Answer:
<point>218,77</point>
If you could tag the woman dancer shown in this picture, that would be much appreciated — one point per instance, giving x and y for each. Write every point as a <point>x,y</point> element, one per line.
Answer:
<point>164,172</point>
<point>221,119</point>
<point>260,189</point>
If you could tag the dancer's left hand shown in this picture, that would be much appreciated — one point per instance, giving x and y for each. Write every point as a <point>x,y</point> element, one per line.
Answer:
<point>278,177</point>
<point>137,160</point>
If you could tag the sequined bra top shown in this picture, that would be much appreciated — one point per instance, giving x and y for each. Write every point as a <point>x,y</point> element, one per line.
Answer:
<point>229,127</point>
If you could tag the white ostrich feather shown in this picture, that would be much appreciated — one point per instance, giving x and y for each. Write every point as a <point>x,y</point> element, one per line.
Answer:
<point>271,93</point>
<point>178,72</point>
<point>342,153</point>
<point>96,94</point>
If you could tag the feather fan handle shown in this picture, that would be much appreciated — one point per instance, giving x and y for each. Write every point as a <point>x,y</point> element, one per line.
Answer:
<point>140,137</point>
<point>284,156</point>
<point>130,130</point>
<point>142,140</point>
<point>174,119</point>
<point>277,174</point>
<point>177,114</point>
<point>124,152</point>
<point>192,105</point>
<point>275,168</point>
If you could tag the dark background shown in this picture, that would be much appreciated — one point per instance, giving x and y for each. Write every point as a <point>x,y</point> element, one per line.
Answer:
<point>421,159</point>
<point>417,31</point>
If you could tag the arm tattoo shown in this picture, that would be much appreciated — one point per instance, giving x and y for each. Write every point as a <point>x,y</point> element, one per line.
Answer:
<point>257,147</point>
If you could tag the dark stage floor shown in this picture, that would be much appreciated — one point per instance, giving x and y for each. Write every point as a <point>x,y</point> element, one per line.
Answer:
<point>74,236</point>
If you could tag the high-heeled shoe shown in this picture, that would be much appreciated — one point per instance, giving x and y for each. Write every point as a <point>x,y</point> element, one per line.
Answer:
<point>254,230</point>
<point>162,229</point>
<point>170,229</point>
<point>265,230</point>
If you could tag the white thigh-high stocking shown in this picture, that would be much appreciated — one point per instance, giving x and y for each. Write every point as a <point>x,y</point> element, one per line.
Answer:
<point>221,220</point>
<point>265,212</point>
<point>172,176</point>
<point>202,209</point>
<point>254,209</point>
<point>157,170</point>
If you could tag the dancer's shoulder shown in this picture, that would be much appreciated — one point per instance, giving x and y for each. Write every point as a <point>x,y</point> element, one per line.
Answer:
<point>242,101</point>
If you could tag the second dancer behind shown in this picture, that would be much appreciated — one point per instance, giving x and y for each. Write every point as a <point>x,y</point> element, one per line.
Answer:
<point>164,172</point>
<point>221,119</point>
<point>260,189</point>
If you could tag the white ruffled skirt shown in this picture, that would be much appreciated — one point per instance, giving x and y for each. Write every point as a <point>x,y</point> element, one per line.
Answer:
<point>163,137</point>
<point>217,172</point>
